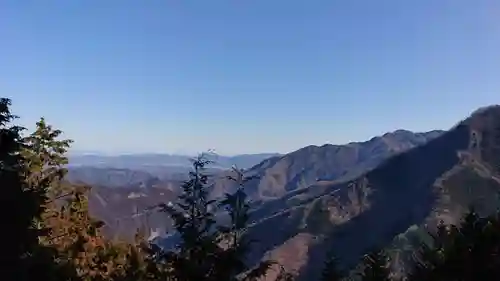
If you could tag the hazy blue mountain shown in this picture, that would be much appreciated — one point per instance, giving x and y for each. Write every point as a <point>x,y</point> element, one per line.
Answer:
<point>146,161</point>
<point>145,170</point>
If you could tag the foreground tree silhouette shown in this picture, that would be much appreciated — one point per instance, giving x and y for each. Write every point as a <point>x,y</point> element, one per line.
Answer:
<point>208,251</point>
<point>44,156</point>
<point>194,223</point>
<point>232,261</point>
<point>469,251</point>
<point>23,257</point>
<point>73,232</point>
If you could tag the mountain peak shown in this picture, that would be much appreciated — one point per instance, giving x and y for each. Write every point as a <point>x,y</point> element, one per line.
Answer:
<point>484,118</point>
<point>486,110</point>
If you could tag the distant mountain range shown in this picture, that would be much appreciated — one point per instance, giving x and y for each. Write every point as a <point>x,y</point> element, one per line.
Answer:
<point>146,161</point>
<point>146,170</point>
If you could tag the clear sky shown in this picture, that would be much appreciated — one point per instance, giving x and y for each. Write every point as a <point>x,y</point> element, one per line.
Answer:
<point>245,76</point>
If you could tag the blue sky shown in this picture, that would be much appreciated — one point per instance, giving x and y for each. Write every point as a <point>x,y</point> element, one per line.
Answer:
<point>246,76</point>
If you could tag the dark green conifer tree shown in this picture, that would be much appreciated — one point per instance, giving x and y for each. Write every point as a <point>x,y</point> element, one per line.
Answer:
<point>23,258</point>
<point>232,260</point>
<point>72,232</point>
<point>467,252</point>
<point>194,222</point>
<point>45,158</point>
<point>209,251</point>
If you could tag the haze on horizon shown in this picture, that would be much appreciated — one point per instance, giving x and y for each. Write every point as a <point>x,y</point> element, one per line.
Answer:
<point>246,76</point>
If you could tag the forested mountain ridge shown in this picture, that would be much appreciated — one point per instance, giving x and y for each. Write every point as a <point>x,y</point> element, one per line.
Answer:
<point>279,175</point>
<point>430,183</point>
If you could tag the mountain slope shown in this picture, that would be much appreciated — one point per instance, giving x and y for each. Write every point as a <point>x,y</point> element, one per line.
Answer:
<point>299,169</point>
<point>124,209</point>
<point>412,190</point>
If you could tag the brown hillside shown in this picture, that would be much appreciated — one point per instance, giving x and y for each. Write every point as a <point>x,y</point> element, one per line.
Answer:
<point>117,208</point>
<point>433,182</point>
<point>299,169</point>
